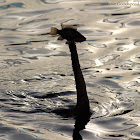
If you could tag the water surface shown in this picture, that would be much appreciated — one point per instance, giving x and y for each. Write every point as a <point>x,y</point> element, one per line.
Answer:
<point>37,85</point>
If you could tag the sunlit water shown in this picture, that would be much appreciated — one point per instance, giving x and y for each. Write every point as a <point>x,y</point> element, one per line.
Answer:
<point>36,77</point>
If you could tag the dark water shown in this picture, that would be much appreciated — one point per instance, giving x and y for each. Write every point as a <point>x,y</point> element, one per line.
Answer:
<point>37,84</point>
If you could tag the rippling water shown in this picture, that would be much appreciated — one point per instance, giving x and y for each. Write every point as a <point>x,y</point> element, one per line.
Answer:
<point>36,77</point>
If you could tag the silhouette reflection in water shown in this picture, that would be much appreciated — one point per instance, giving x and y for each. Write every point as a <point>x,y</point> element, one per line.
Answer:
<point>82,110</point>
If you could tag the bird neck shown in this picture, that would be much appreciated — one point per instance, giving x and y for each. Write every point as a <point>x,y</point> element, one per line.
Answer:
<point>82,98</point>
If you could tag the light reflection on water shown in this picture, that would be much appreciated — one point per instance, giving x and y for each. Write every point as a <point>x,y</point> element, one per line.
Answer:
<point>37,89</point>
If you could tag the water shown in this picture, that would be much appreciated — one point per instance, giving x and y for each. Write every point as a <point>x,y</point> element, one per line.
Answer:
<point>37,84</point>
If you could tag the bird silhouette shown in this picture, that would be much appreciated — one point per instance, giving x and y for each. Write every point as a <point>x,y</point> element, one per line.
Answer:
<point>82,109</point>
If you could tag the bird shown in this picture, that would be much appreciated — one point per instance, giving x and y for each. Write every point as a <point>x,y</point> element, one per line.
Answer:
<point>82,108</point>
<point>69,33</point>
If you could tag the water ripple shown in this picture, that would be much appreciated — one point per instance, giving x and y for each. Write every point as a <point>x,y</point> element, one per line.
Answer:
<point>113,124</point>
<point>12,5</point>
<point>133,23</point>
<point>37,88</point>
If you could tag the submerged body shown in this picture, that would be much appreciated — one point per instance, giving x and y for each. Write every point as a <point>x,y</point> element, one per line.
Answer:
<point>69,34</point>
